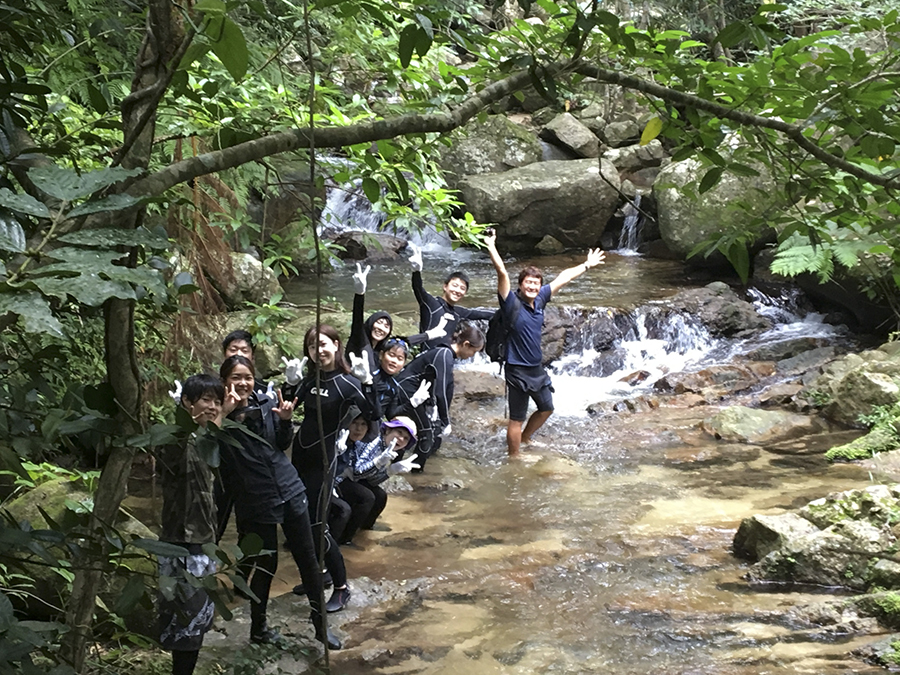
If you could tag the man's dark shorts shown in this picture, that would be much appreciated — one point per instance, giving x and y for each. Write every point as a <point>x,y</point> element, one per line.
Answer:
<point>524,382</point>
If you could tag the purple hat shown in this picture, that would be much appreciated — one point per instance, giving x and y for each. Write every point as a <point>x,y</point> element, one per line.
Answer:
<point>403,422</point>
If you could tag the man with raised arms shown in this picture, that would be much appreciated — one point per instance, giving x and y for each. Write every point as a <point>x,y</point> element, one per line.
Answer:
<point>432,309</point>
<point>523,312</point>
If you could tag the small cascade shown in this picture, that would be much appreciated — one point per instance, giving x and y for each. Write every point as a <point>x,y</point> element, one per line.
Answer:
<point>348,209</point>
<point>632,228</point>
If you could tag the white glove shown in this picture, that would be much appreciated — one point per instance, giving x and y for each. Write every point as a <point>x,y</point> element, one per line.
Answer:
<point>446,431</point>
<point>438,331</point>
<point>434,414</point>
<point>341,443</point>
<point>359,368</point>
<point>270,391</point>
<point>176,392</point>
<point>293,369</point>
<point>385,458</point>
<point>359,279</point>
<point>421,395</point>
<point>415,258</point>
<point>403,466</point>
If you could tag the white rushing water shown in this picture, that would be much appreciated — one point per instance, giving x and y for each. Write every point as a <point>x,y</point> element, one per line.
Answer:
<point>632,228</point>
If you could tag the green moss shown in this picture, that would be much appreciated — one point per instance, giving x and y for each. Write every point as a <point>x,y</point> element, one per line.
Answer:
<point>879,439</point>
<point>883,606</point>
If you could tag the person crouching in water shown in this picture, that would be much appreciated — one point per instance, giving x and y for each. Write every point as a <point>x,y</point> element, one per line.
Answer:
<point>267,492</point>
<point>436,366</point>
<point>373,463</point>
<point>189,520</point>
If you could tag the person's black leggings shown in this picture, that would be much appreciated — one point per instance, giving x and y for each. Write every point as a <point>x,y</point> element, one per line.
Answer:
<point>184,662</point>
<point>366,501</point>
<point>298,530</point>
<point>334,561</point>
<point>338,516</point>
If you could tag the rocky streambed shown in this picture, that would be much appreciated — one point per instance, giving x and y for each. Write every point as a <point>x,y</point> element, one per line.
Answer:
<point>611,548</point>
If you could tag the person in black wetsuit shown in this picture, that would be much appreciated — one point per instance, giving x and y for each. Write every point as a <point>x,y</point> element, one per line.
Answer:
<point>336,390</point>
<point>432,309</point>
<point>267,492</point>
<point>367,337</point>
<point>523,310</point>
<point>436,366</point>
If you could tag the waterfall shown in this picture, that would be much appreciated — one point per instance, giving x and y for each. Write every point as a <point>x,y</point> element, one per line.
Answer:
<point>348,209</point>
<point>632,228</point>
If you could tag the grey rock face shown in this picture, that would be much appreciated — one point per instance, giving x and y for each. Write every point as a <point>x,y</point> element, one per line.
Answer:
<point>567,200</point>
<point>567,131</point>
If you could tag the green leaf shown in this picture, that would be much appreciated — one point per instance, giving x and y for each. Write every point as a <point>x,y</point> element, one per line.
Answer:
<point>408,38</point>
<point>67,185</point>
<point>732,34</point>
<point>12,236</point>
<point>108,238</point>
<point>34,311</point>
<point>130,595</point>
<point>112,203</point>
<point>740,259</point>
<point>423,42</point>
<point>23,204</point>
<point>211,6</point>
<point>710,179</point>
<point>372,189</point>
<point>7,618</point>
<point>194,53</point>
<point>651,131</point>
<point>228,43</point>
<point>157,547</point>
<point>99,103</point>
<point>88,288</point>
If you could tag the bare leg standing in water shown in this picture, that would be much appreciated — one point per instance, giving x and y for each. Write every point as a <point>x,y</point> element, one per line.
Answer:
<point>523,309</point>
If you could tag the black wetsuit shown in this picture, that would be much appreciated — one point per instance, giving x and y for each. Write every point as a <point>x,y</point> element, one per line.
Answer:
<point>431,309</point>
<point>267,491</point>
<point>360,342</point>
<point>435,366</point>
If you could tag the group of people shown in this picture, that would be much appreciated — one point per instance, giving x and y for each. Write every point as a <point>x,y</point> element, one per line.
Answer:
<point>368,412</point>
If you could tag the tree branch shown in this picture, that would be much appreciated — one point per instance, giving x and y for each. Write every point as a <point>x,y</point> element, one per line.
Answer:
<point>792,131</point>
<point>333,137</point>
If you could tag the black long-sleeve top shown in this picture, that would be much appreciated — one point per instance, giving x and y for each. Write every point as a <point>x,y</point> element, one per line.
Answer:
<point>435,366</point>
<point>360,341</point>
<point>392,398</point>
<point>257,474</point>
<point>431,309</point>
<point>338,392</point>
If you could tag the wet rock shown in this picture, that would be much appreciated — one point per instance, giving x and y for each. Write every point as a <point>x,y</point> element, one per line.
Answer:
<point>567,200</point>
<point>687,218</point>
<point>251,281</point>
<point>372,246</point>
<point>543,116</point>
<point>636,377</point>
<point>762,369</point>
<point>759,535</point>
<point>711,382</point>
<point>806,361</point>
<point>858,392</point>
<point>876,502</point>
<point>617,134</point>
<point>550,246</point>
<point>751,425</point>
<point>685,457</point>
<point>567,131</point>
<point>636,157</point>
<point>886,574</point>
<point>815,444</point>
<point>719,309</point>
<point>883,653</point>
<point>879,440</point>
<point>477,386</point>
<point>493,146</point>
<point>779,394</point>
<point>785,349</point>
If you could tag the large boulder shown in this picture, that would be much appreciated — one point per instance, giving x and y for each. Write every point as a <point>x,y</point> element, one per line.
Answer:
<point>855,384</point>
<point>567,200</point>
<point>635,157</point>
<point>687,218</point>
<point>493,146</point>
<point>715,306</point>
<point>760,535</point>
<point>567,131</point>
<point>371,246</point>
<point>56,498</point>
<point>250,281</point>
<point>751,425</point>
<point>624,132</point>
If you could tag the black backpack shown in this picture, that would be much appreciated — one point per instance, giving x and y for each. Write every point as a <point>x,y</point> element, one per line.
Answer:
<point>498,331</point>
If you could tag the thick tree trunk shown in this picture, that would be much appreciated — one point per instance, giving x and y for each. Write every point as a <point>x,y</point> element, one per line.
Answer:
<point>162,43</point>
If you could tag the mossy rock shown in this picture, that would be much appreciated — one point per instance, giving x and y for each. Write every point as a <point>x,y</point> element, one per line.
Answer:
<point>879,439</point>
<point>50,589</point>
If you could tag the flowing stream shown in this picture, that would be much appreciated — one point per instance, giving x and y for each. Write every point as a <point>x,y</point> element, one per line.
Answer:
<point>608,549</point>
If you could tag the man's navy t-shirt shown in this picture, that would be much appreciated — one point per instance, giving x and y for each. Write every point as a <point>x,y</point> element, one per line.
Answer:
<point>524,344</point>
